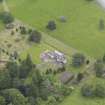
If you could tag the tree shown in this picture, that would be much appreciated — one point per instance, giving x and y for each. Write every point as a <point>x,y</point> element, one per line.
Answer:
<point>6,17</point>
<point>5,79</point>
<point>78,60</point>
<point>15,54</point>
<point>87,90</point>
<point>51,101</point>
<point>35,36</point>
<point>15,97</point>
<point>25,67</point>
<point>100,90</point>
<point>36,83</point>
<point>17,82</point>
<point>51,25</point>
<point>23,30</point>
<point>98,66</point>
<point>38,86</point>
<point>2,101</point>
<point>80,76</point>
<point>32,100</point>
<point>101,24</point>
<point>65,90</point>
<point>13,69</point>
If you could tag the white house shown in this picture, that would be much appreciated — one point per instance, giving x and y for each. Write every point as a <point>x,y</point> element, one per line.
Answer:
<point>55,56</point>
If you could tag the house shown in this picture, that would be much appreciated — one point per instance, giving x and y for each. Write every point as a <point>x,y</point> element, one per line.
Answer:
<point>53,56</point>
<point>66,77</point>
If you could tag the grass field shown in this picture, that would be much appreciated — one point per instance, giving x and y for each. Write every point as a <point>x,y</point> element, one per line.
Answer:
<point>80,32</point>
<point>77,99</point>
<point>35,52</point>
<point>81,29</point>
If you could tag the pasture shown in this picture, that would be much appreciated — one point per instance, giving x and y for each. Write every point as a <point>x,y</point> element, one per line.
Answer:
<point>81,28</point>
<point>81,32</point>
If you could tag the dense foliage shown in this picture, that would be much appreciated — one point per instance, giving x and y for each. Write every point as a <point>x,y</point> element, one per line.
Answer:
<point>21,83</point>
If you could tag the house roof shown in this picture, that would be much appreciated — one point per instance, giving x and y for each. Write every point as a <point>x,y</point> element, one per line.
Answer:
<point>54,55</point>
<point>66,77</point>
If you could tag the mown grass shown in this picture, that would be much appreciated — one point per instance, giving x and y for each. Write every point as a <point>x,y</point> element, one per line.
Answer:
<point>81,30</point>
<point>77,99</point>
<point>35,51</point>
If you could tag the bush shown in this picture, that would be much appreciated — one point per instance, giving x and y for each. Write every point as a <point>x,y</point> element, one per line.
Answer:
<point>99,91</point>
<point>80,76</point>
<point>87,90</point>
<point>2,101</point>
<point>65,90</point>
<point>98,66</point>
<point>95,90</point>
<point>78,60</point>
<point>35,36</point>
<point>23,30</point>
<point>6,17</point>
<point>51,101</point>
<point>5,79</point>
<point>101,24</point>
<point>51,25</point>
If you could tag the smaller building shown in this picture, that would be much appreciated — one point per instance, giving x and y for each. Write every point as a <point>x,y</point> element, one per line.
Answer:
<point>66,77</point>
<point>53,56</point>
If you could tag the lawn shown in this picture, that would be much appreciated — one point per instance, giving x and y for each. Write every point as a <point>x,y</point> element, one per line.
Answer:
<point>23,47</point>
<point>77,99</point>
<point>81,29</point>
<point>35,51</point>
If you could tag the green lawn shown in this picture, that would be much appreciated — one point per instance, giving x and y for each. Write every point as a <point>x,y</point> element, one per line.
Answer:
<point>77,99</point>
<point>81,29</point>
<point>35,51</point>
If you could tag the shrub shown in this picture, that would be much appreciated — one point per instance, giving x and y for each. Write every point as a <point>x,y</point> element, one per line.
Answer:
<point>23,30</point>
<point>101,24</point>
<point>95,90</point>
<point>80,76</point>
<point>78,60</point>
<point>87,90</point>
<point>6,17</point>
<point>35,36</point>
<point>98,66</point>
<point>99,91</point>
<point>2,101</point>
<point>51,25</point>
